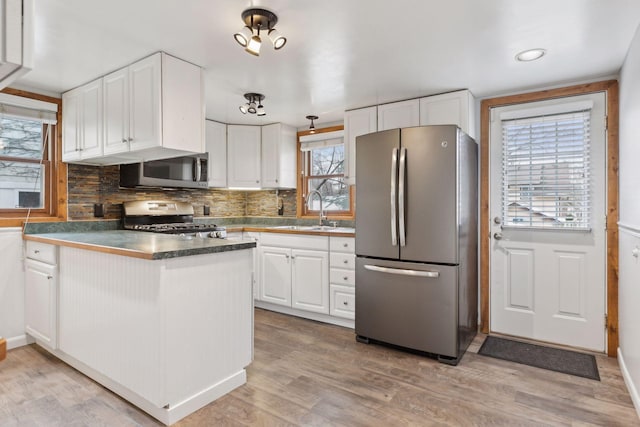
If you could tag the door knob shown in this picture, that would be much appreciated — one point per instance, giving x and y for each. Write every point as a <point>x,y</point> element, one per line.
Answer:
<point>497,236</point>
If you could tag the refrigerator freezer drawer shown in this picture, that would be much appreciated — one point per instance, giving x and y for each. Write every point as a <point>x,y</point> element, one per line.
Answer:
<point>412,305</point>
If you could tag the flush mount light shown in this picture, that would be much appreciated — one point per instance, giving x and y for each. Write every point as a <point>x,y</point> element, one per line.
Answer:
<point>254,104</point>
<point>530,55</point>
<point>256,20</point>
<point>312,128</point>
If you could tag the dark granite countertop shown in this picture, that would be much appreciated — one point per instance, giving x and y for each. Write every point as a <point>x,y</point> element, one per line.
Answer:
<point>137,244</point>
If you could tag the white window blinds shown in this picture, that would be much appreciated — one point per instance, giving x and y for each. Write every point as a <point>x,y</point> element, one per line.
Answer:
<point>546,171</point>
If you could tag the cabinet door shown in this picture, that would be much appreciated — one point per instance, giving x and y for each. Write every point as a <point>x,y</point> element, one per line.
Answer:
<point>270,155</point>
<point>144,103</point>
<point>91,120</point>
<point>41,302</point>
<point>455,108</point>
<point>275,270</point>
<point>216,141</point>
<point>243,155</point>
<point>356,123</point>
<point>402,114</point>
<point>116,112</point>
<point>310,282</point>
<point>71,125</point>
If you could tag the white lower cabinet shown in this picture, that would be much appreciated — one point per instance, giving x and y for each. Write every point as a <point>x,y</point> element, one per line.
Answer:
<point>294,271</point>
<point>342,277</point>
<point>41,294</point>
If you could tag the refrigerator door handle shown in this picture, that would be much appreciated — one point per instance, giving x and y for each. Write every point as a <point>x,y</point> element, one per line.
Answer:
<point>401,271</point>
<point>401,194</point>
<point>394,186</point>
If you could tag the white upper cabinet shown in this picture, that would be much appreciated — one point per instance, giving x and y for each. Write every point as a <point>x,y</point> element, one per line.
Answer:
<point>216,144</point>
<point>116,112</point>
<point>243,156</point>
<point>152,109</point>
<point>454,108</point>
<point>82,122</point>
<point>356,123</point>
<point>278,156</point>
<point>401,114</point>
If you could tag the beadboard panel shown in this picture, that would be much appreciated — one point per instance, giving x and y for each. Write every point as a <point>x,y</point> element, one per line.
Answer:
<point>12,287</point>
<point>110,316</point>
<point>176,332</point>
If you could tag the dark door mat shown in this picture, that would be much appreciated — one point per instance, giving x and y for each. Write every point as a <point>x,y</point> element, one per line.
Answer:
<point>553,359</point>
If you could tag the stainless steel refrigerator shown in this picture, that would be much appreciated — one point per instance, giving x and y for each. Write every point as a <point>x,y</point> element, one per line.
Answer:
<point>416,239</point>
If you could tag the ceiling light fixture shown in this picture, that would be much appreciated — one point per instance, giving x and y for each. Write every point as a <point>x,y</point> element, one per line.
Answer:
<point>530,55</point>
<point>256,20</point>
<point>312,128</point>
<point>254,104</point>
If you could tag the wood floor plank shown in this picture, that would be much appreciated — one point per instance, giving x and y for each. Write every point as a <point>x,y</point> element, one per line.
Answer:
<point>306,373</point>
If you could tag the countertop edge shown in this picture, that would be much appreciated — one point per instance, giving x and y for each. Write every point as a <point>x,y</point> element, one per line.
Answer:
<point>232,229</point>
<point>132,253</point>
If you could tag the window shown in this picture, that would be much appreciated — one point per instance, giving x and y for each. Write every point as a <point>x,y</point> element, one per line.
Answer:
<point>546,178</point>
<point>323,161</point>
<point>27,156</point>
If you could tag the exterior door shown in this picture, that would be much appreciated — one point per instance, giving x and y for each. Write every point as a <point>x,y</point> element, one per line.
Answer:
<point>548,217</point>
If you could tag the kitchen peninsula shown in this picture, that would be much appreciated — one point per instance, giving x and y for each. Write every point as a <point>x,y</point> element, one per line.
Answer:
<point>163,321</point>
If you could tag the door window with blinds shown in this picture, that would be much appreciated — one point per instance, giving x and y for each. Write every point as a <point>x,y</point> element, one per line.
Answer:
<point>27,131</point>
<point>323,170</point>
<point>546,170</point>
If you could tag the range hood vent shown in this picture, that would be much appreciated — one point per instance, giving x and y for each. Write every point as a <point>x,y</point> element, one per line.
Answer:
<point>16,40</point>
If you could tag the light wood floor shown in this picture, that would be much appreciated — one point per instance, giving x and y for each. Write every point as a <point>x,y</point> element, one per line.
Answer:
<point>307,373</point>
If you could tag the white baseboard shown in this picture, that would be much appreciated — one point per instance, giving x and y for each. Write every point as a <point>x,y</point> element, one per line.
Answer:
<point>318,317</point>
<point>19,341</point>
<point>633,391</point>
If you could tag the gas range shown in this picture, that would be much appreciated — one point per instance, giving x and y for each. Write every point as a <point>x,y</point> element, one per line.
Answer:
<point>168,218</point>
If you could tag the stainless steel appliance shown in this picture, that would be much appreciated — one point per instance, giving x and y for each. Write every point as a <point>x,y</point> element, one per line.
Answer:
<point>169,218</point>
<point>176,172</point>
<point>416,239</point>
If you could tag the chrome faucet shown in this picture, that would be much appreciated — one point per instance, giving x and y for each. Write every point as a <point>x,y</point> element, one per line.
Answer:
<point>321,216</point>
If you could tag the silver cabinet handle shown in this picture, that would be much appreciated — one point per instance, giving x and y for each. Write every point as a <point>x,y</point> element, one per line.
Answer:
<point>401,194</point>
<point>394,185</point>
<point>497,236</point>
<point>635,252</point>
<point>402,271</point>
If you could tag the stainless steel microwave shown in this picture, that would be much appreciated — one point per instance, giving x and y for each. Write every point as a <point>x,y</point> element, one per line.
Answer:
<point>177,172</point>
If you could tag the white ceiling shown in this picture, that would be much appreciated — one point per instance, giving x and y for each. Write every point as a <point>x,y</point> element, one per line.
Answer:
<point>340,54</point>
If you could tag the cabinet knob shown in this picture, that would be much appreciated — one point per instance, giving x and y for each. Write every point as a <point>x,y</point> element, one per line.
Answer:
<point>346,245</point>
<point>276,180</point>
<point>345,303</point>
<point>36,251</point>
<point>124,140</point>
<point>345,278</point>
<point>635,252</point>
<point>257,181</point>
<point>130,139</point>
<point>49,277</point>
<point>346,261</point>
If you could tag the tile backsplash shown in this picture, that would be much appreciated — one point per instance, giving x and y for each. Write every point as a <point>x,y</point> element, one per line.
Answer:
<point>89,185</point>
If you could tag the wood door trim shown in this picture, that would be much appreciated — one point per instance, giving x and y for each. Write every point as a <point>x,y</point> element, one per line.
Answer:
<point>610,87</point>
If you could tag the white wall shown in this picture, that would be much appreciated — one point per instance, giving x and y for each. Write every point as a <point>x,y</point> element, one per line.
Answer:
<point>629,266</point>
<point>11,287</point>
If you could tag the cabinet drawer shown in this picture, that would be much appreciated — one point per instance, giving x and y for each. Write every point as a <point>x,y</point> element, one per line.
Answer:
<point>342,277</point>
<point>343,244</point>
<point>342,302</point>
<point>42,252</point>
<point>341,260</point>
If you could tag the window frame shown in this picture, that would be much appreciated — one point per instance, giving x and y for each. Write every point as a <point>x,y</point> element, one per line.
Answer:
<point>55,185</point>
<point>302,186</point>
